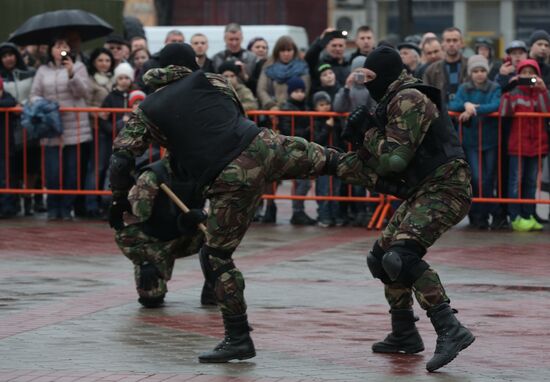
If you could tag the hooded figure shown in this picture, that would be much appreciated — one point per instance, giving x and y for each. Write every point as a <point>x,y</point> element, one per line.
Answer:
<point>387,64</point>
<point>178,54</point>
<point>414,141</point>
<point>16,75</point>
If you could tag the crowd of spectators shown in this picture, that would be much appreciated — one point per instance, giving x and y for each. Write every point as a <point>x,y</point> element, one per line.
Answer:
<point>326,77</point>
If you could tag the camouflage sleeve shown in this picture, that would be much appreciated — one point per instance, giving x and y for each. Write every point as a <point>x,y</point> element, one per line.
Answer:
<point>247,99</point>
<point>142,195</point>
<point>410,114</point>
<point>222,84</point>
<point>135,137</point>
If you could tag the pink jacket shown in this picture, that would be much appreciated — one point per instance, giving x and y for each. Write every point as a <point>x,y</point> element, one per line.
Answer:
<point>52,83</point>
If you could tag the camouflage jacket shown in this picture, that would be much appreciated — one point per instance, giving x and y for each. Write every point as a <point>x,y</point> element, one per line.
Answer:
<point>139,132</point>
<point>410,114</point>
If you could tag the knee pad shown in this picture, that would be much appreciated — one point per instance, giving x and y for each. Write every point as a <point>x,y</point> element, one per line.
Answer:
<point>403,262</point>
<point>374,262</point>
<point>210,275</point>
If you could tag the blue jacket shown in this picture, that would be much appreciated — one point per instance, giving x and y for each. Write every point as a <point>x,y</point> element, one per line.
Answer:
<point>488,99</point>
<point>41,118</point>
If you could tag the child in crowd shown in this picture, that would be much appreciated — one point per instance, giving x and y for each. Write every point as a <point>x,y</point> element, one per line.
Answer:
<point>475,98</point>
<point>528,141</point>
<point>231,71</point>
<point>327,80</point>
<point>326,132</point>
<point>299,127</point>
<point>111,123</point>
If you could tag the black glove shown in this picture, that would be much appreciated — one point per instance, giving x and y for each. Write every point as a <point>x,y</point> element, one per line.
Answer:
<point>118,206</point>
<point>354,130</point>
<point>188,222</point>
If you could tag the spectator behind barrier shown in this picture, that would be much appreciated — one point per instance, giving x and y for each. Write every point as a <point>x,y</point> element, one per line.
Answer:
<point>281,66</point>
<point>17,78</point>
<point>301,127</point>
<point>528,139</point>
<point>199,43</point>
<point>449,73</point>
<point>475,98</point>
<point>8,202</point>
<point>329,48</point>
<point>258,46</point>
<point>66,82</point>
<point>327,132</point>
<point>244,59</point>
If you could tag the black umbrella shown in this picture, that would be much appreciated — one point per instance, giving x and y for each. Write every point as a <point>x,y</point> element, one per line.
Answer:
<point>43,28</point>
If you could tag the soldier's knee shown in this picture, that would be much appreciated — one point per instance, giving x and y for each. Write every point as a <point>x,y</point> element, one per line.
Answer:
<point>403,262</point>
<point>212,271</point>
<point>374,263</point>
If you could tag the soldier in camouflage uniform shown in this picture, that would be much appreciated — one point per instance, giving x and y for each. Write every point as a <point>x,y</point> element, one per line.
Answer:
<point>200,119</point>
<point>160,233</point>
<point>414,141</point>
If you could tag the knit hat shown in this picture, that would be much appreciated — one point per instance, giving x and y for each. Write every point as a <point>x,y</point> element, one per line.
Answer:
<point>116,39</point>
<point>179,54</point>
<point>529,62</point>
<point>358,62</point>
<point>124,69</point>
<point>321,68</point>
<point>295,83</point>
<point>135,95</point>
<point>409,45</point>
<point>321,96</point>
<point>229,66</point>
<point>537,35</point>
<point>516,44</point>
<point>387,64</point>
<point>477,61</point>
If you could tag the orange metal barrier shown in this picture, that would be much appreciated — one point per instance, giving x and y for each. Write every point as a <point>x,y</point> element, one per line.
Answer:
<point>383,202</point>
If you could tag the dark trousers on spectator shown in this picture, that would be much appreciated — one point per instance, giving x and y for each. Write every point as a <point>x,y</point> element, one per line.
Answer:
<point>527,184</point>
<point>61,170</point>
<point>327,209</point>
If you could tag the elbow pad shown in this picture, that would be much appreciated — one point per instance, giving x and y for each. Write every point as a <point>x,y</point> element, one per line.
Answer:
<point>396,161</point>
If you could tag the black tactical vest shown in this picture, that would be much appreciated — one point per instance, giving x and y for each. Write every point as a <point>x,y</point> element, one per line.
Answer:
<point>440,145</point>
<point>163,221</point>
<point>204,128</point>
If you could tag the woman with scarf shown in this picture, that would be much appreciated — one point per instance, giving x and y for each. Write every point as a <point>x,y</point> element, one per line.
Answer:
<point>283,65</point>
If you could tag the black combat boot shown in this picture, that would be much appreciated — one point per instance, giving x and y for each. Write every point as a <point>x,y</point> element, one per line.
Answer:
<point>149,280</point>
<point>237,343</point>
<point>404,337</point>
<point>208,296</point>
<point>452,337</point>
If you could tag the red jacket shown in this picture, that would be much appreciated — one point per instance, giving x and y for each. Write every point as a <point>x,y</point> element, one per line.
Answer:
<point>528,136</point>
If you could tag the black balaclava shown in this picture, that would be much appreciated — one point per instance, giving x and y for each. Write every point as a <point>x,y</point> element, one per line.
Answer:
<point>387,64</point>
<point>179,54</point>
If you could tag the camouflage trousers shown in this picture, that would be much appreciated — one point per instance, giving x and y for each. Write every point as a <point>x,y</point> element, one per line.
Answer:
<point>140,248</point>
<point>236,192</point>
<point>437,206</point>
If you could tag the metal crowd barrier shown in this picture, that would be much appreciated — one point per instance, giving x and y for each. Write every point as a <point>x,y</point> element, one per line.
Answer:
<point>19,183</point>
